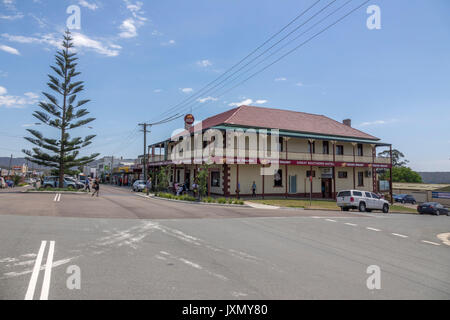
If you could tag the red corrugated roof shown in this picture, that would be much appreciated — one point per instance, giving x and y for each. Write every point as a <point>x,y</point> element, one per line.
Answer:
<point>249,116</point>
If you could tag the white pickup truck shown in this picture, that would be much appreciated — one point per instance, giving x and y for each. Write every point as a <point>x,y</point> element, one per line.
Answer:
<point>364,201</point>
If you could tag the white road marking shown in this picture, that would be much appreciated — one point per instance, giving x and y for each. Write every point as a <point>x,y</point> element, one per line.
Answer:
<point>34,276</point>
<point>59,197</point>
<point>429,242</point>
<point>56,197</point>
<point>399,235</point>
<point>330,220</point>
<point>48,271</point>
<point>373,229</point>
<point>445,238</point>
<point>351,224</point>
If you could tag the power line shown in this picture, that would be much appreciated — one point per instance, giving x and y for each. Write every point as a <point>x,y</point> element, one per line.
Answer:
<point>295,48</point>
<point>279,49</point>
<point>200,92</point>
<point>267,50</point>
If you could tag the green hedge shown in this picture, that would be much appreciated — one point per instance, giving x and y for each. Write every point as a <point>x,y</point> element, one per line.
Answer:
<point>205,200</point>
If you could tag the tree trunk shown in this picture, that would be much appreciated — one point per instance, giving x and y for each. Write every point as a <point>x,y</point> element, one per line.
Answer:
<point>63,128</point>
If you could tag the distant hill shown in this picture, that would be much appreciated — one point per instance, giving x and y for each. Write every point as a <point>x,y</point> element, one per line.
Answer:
<point>435,177</point>
<point>4,163</point>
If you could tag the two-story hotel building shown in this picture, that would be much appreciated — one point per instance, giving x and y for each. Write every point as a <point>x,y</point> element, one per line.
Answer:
<point>317,155</point>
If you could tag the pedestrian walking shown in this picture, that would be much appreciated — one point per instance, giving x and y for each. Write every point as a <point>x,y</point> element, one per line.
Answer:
<point>96,187</point>
<point>87,185</point>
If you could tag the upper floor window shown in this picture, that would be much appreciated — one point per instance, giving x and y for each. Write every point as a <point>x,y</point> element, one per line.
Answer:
<point>280,144</point>
<point>326,147</point>
<point>311,147</point>
<point>340,150</point>
<point>360,150</point>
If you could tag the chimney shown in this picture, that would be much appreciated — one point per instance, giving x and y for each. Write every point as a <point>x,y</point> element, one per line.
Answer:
<point>347,122</point>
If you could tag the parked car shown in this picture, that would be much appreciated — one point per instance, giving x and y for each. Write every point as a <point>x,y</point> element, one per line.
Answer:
<point>405,198</point>
<point>79,184</point>
<point>361,200</point>
<point>139,186</point>
<point>53,182</point>
<point>3,184</point>
<point>432,208</point>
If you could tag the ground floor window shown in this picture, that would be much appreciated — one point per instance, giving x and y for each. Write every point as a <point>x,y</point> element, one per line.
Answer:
<point>342,174</point>
<point>215,179</point>
<point>310,173</point>
<point>360,179</point>
<point>278,178</point>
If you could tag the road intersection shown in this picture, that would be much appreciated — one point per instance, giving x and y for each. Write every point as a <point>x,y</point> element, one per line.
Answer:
<point>129,247</point>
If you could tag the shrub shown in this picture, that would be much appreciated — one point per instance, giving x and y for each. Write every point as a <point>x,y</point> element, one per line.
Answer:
<point>222,201</point>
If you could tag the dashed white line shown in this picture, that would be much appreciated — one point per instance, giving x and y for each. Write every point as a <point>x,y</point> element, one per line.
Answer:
<point>373,229</point>
<point>429,242</point>
<point>330,220</point>
<point>399,235</point>
<point>34,276</point>
<point>351,224</point>
<point>48,271</point>
<point>56,197</point>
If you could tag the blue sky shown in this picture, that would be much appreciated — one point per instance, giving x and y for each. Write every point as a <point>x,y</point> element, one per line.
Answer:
<point>138,59</point>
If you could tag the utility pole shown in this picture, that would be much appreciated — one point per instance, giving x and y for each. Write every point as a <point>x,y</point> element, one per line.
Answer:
<point>10,166</point>
<point>145,125</point>
<point>111,171</point>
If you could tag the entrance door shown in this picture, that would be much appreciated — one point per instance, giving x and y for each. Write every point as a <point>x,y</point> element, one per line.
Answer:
<point>187,177</point>
<point>292,184</point>
<point>326,188</point>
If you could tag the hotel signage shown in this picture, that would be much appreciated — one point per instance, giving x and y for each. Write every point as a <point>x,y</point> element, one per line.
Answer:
<point>221,160</point>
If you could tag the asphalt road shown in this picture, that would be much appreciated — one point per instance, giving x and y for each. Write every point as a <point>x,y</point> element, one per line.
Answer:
<point>127,246</point>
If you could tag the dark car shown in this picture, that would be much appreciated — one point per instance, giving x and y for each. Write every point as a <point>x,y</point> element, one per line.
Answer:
<point>405,198</point>
<point>432,208</point>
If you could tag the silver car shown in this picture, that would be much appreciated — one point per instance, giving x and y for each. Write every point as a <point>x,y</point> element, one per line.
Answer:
<point>361,200</point>
<point>139,186</point>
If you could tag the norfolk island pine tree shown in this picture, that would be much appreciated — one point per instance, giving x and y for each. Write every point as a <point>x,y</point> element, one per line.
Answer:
<point>62,113</point>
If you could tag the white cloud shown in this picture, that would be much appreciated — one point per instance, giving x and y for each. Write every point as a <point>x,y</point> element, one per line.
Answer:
<point>169,43</point>
<point>157,90</point>
<point>9,50</point>
<point>377,123</point>
<point>129,27</point>
<point>203,100</point>
<point>10,4</point>
<point>299,84</point>
<point>41,21</point>
<point>83,41</point>
<point>157,33</point>
<point>242,103</point>
<point>80,41</point>
<point>280,79</point>
<point>186,90</point>
<point>11,17</point>
<point>17,102</point>
<point>247,102</point>
<point>204,63</point>
<point>90,6</point>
